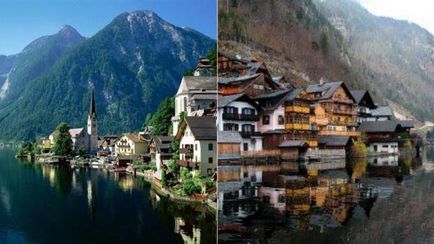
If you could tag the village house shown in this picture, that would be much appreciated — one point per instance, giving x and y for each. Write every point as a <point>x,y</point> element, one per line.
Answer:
<point>229,145</point>
<point>160,150</point>
<point>338,106</point>
<point>382,137</point>
<point>107,144</point>
<point>130,146</point>
<point>365,105</point>
<point>197,138</point>
<point>382,113</point>
<point>196,96</point>
<point>240,113</point>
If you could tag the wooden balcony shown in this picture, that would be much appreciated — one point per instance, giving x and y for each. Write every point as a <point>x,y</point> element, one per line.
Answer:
<point>247,134</point>
<point>231,116</point>
<point>297,126</point>
<point>297,109</point>
<point>249,117</point>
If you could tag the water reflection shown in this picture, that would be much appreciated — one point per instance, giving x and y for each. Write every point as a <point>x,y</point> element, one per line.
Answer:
<point>313,202</point>
<point>54,204</point>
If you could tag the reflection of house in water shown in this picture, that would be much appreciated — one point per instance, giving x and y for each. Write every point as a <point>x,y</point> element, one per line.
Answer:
<point>188,232</point>
<point>383,161</point>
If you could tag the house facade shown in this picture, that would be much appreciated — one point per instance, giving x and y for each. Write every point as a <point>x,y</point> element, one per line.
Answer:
<point>130,145</point>
<point>197,138</point>
<point>197,95</point>
<point>160,150</point>
<point>339,106</point>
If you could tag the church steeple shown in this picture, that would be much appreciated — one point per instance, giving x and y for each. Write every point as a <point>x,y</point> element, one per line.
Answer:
<point>92,111</point>
<point>92,128</point>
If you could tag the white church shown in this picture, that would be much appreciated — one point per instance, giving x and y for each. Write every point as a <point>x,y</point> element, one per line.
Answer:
<point>82,139</point>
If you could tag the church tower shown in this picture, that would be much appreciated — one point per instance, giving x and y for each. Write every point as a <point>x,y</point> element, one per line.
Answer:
<point>92,128</point>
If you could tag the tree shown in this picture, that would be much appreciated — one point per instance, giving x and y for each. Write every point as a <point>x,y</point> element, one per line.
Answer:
<point>63,141</point>
<point>161,120</point>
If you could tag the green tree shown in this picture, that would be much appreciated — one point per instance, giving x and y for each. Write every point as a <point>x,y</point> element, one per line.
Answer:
<point>62,141</point>
<point>161,120</point>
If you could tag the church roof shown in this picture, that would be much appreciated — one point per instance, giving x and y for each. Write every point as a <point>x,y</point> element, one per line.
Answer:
<point>92,110</point>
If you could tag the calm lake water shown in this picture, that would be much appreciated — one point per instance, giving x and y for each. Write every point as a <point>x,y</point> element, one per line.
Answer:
<point>378,200</point>
<point>46,204</point>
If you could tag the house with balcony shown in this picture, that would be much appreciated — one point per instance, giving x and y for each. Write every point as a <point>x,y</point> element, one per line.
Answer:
<point>241,114</point>
<point>196,96</point>
<point>337,107</point>
<point>299,125</point>
<point>383,137</point>
<point>365,105</point>
<point>160,152</point>
<point>197,138</point>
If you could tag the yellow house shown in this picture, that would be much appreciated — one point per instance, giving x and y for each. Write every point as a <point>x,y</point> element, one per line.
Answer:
<point>130,145</point>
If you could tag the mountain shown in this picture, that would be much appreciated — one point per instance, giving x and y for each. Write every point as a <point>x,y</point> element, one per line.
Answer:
<point>396,56</point>
<point>292,37</point>
<point>35,59</point>
<point>132,64</point>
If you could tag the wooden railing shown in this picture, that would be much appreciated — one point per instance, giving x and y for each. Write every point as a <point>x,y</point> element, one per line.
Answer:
<point>297,126</point>
<point>297,109</point>
<point>260,153</point>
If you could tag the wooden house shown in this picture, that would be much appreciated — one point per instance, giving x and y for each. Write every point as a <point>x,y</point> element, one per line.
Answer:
<point>339,108</point>
<point>229,145</point>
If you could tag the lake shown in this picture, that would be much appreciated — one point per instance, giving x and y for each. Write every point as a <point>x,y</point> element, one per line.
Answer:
<point>49,204</point>
<point>374,200</point>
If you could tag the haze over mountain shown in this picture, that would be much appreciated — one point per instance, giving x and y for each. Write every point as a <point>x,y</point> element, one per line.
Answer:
<point>398,57</point>
<point>133,63</point>
<point>335,40</point>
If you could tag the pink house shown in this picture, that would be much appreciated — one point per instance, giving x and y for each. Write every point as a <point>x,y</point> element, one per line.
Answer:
<point>272,116</point>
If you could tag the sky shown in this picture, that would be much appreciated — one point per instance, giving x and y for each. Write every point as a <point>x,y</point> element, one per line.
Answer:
<point>420,12</point>
<point>22,21</point>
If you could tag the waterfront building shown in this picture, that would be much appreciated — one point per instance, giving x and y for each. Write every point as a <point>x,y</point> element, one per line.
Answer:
<point>130,145</point>
<point>229,145</point>
<point>365,104</point>
<point>339,107</point>
<point>196,96</point>
<point>197,138</point>
<point>382,137</point>
<point>107,143</point>
<point>241,114</point>
<point>160,150</point>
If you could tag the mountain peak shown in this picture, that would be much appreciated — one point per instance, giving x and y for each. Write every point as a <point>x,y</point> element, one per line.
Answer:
<point>69,31</point>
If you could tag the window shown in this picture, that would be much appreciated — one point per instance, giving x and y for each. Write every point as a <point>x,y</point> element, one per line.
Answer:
<point>185,104</point>
<point>248,128</point>
<point>230,127</point>
<point>248,111</point>
<point>210,160</point>
<point>209,172</point>
<point>210,147</point>
<point>266,119</point>
<point>230,110</point>
<point>245,146</point>
<point>281,120</point>
<point>195,147</point>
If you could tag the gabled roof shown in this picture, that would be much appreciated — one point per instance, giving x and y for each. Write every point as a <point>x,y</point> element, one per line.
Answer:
<point>379,126</point>
<point>236,79</point>
<point>328,89</point>
<point>334,140</point>
<point>229,137</point>
<point>203,128</point>
<point>75,131</point>
<point>282,94</point>
<point>294,143</point>
<point>191,83</point>
<point>163,142</point>
<point>360,95</point>
<point>224,101</point>
<point>406,123</point>
<point>134,137</point>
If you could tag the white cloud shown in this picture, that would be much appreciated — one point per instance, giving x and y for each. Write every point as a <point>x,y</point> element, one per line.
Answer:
<point>416,11</point>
